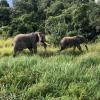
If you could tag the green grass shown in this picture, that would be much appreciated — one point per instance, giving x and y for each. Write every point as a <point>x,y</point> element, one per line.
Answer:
<point>50,76</point>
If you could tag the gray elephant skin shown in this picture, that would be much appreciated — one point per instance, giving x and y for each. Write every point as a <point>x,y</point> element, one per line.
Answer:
<point>74,41</point>
<point>23,41</point>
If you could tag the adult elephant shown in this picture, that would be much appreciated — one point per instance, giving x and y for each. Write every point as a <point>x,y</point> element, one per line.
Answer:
<point>23,41</point>
<point>75,41</point>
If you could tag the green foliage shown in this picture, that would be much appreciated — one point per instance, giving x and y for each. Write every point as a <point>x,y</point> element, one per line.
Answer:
<point>80,19</point>
<point>57,27</point>
<point>94,16</point>
<point>4,16</point>
<point>23,7</point>
<point>24,24</point>
<point>55,9</point>
<point>5,31</point>
<point>58,17</point>
<point>44,4</point>
<point>4,3</point>
<point>72,21</point>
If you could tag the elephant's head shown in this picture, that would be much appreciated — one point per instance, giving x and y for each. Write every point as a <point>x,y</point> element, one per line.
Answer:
<point>81,39</point>
<point>40,37</point>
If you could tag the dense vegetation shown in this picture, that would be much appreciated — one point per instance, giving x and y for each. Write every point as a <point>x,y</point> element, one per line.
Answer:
<point>50,75</point>
<point>56,17</point>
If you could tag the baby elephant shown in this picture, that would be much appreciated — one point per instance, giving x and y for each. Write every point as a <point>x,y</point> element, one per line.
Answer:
<point>23,41</point>
<point>75,41</point>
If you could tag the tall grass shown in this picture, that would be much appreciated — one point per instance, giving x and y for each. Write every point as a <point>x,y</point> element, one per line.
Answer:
<point>51,76</point>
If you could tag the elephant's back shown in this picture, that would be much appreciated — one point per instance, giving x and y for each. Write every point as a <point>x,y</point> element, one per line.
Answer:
<point>22,40</point>
<point>68,41</point>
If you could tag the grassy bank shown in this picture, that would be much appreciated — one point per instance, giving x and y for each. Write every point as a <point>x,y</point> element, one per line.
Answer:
<point>50,76</point>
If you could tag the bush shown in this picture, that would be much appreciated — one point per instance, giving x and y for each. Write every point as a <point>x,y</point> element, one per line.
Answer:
<point>4,31</point>
<point>4,16</point>
<point>55,9</point>
<point>57,27</point>
<point>22,25</point>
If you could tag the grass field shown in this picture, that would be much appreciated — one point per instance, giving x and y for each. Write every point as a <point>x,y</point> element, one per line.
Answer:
<point>50,76</point>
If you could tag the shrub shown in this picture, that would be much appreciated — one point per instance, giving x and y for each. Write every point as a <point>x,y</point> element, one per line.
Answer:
<point>57,27</point>
<point>5,31</point>
<point>55,9</point>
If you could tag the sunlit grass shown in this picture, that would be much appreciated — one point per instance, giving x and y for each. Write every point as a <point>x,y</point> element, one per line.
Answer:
<point>50,75</point>
<point>6,43</point>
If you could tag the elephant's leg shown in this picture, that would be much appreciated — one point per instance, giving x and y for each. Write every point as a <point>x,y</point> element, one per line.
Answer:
<point>31,50</point>
<point>44,45</point>
<point>79,47</point>
<point>14,52</point>
<point>86,47</point>
<point>74,48</point>
<point>62,48</point>
<point>35,49</point>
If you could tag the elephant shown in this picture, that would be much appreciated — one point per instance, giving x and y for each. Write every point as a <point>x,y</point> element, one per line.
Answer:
<point>74,41</point>
<point>29,40</point>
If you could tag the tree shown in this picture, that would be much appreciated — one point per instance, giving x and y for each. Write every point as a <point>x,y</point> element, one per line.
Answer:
<point>4,16</point>
<point>80,19</point>
<point>4,3</point>
<point>55,9</point>
<point>4,13</point>
<point>59,17</point>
